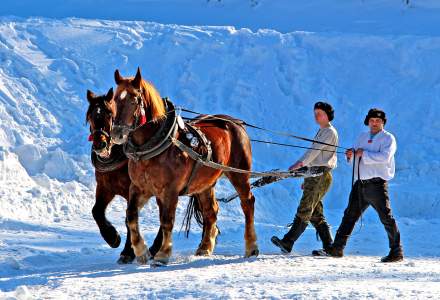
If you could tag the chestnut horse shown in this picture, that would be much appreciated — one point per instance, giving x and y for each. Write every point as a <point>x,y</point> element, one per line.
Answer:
<point>111,172</point>
<point>166,175</point>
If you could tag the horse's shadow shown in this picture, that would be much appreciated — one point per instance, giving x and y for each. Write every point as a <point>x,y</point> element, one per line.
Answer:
<point>102,270</point>
<point>46,261</point>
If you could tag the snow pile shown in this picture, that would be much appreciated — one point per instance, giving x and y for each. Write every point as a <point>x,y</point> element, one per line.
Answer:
<point>265,77</point>
<point>355,16</point>
<point>355,54</point>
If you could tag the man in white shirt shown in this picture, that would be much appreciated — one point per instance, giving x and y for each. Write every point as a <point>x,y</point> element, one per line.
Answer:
<point>374,167</point>
<point>321,156</point>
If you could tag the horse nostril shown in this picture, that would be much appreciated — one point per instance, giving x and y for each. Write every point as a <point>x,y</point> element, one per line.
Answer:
<point>102,145</point>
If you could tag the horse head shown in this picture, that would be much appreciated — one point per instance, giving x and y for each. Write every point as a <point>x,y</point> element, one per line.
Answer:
<point>100,115</point>
<point>136,102</point>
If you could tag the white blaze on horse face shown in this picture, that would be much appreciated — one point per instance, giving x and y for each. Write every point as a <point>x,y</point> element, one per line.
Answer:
<point>123,94</point>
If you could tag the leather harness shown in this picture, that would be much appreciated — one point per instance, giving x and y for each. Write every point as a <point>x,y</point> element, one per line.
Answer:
<point>116,160</point>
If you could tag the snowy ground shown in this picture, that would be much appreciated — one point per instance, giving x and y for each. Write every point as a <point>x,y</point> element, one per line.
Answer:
<point>356,54</point>
<point>69,262</point>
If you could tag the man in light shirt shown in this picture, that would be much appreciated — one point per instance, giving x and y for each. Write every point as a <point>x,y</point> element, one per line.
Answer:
<point>374,167</point>
<point>322,156</point>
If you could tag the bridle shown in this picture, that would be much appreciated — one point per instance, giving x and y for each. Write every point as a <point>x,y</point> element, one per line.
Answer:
<point>102,131</point>
<point>139,115</point>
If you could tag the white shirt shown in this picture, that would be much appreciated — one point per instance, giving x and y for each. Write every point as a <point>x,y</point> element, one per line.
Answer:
<point>322,155</point>
<point>378,157</point>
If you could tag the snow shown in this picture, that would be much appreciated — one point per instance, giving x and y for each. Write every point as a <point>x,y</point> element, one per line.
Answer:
<point>355,16</point>
<point>362,54</point>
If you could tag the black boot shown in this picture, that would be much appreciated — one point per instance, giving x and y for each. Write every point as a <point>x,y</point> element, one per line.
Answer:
<point>323,231</point>
<point>286,243</point>
<point>395,255</point>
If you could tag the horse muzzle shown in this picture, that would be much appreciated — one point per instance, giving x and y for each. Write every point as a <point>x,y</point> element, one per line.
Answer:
<point>103,150</point>
<point>119,134</point>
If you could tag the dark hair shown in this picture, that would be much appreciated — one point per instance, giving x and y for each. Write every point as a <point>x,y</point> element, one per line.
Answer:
<point>327,108</point>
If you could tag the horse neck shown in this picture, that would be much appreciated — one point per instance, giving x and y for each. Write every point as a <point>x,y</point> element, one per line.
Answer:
<point>141,135</point>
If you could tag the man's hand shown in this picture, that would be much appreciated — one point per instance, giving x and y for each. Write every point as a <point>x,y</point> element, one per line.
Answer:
<point>359,152</point>
<point>296,166</point>
<point>349,154</point>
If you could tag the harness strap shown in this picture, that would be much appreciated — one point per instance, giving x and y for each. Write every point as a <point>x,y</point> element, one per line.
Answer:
<point>157,143</point>
<point>197,163</point>
<point>197,157</point>
<point>116,160</point>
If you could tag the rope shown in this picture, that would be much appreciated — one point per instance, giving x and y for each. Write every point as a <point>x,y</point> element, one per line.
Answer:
<point>195,156</point>
<point>360,192</point>
<point>295,146</point>
<point>281,133</point>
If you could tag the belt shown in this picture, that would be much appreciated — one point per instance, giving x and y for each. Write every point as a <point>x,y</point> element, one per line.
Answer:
<point>372,180</point>
<point>320,169</point>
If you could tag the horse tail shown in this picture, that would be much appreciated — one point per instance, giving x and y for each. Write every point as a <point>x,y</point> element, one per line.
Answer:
<point>192,210</point>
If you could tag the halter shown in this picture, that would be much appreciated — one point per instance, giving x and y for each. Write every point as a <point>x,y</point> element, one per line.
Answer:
<point>101,131</point>
<point>140,117</point>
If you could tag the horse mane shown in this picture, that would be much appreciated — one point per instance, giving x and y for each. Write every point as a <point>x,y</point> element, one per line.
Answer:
<point>153,100</point>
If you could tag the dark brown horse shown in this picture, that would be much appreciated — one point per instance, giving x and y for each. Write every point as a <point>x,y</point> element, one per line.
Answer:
<point>111,172</point>
<point>166,175</point>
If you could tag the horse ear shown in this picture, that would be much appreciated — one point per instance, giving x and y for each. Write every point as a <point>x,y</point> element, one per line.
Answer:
<point>118,77</point>
<point>137,79</point>
<point>90,95</point>
<point>109,95</point>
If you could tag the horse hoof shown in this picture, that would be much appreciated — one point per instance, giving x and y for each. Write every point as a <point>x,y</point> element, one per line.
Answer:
<point>125,259</point>
<point>142,260</point>
<point>144,257</point>
<point>160,262</point>
<point>203,252</point>
<point>116,242</point>
<point>253,253</point>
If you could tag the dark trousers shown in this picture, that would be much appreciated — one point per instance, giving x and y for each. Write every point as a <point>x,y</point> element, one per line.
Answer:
<point>372,192</point>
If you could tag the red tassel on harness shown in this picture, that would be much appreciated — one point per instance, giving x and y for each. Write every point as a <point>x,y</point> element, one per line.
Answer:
<point>90,138</point>
<point>143,119</point>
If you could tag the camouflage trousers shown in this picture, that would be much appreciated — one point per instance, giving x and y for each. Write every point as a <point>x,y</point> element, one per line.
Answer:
<point>310,208</point>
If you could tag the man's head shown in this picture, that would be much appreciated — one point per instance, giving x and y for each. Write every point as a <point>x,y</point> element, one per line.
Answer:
<point>375,119</point>
<point>324,113</point>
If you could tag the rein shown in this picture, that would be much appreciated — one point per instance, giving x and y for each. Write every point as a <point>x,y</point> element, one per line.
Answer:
<point>281,133</point>
<point>155,146</point>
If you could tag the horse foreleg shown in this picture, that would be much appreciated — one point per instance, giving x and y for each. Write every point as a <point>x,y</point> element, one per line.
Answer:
<point>247,201</point>
<point>135,203</point>
<point>168,207</point>
<point>209,207</point>
<point>107,230</point>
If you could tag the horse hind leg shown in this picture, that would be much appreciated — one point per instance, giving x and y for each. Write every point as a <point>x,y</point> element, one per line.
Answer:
<point>209,209</point>
<point>247,199</point>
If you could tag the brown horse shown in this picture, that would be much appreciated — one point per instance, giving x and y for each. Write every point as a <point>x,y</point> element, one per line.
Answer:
<point>111,172</point>
<point>166,175</point>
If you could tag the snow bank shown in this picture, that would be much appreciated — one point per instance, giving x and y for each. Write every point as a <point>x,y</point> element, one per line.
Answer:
<point>354,16</point>
<point>265,77</point>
